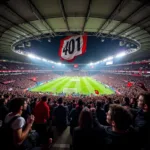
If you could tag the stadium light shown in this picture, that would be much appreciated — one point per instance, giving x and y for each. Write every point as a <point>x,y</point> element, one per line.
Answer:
<point>110,58</point>
<point>97,62</point>
<point>38,58</point>
<point>49,61</point>
<point>34,56</point>
<point>44,60</point>
<point>109,63</point>
<point>122,43</point>
<point>31,56</point>
<point>120,54</point>
<point>59,63</point>
<point>102,40</point>
<point>104,59</point>
<point>49,40</point>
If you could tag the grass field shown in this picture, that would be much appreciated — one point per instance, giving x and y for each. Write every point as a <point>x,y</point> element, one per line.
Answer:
<point>81,85</point>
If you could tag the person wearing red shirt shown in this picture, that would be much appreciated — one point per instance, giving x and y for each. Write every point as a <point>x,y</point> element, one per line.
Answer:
<point>42,114</point>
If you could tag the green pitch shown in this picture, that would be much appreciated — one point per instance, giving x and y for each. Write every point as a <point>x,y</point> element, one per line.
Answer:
<point>81,85</point>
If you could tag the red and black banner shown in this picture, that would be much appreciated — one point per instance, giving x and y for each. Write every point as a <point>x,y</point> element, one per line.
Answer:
<point>72,46</point>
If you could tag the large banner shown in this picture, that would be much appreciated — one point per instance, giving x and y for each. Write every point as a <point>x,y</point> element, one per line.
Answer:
<point>72,46</point>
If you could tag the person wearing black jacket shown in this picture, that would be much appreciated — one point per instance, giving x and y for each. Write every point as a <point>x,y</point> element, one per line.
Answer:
<point>142,121</point>
<point>100,114</point>
<point>85,137</point>
<point>3,109</point>
<point>119,135</point>
<point>60,115</point>
<point>107,104</point>
<point>74,116</point>
<point>126,102</point>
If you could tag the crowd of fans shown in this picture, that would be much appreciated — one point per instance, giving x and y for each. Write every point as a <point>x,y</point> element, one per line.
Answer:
<point>19,82</point>
<point>120,83</point>
<point>95,122</point>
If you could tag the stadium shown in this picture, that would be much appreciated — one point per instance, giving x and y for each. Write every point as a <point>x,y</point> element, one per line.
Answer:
<point>74,74</point>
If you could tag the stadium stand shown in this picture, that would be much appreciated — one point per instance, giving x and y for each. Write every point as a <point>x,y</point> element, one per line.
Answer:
<point>104,121</point>
<point>8,65</point>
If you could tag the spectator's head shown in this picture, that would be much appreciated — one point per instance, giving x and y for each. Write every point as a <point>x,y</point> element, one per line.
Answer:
<point>116,102</point>
<point>89,106</point>
<point>6,97</point>
<point>54,102</point>
<point>80,103</point>
<point>60,100</point>
<point>44,98</point>
<point>2,101</point>
<point>49,100</point>
<point>35,100</point>
<point>85,118</point>
<point>108,100</point>
<point>28,100</point>
<point>119,118</point>
<point>126,101</point>
<point>99,104</point>
<point>144,101</point>
<point>18,105</point>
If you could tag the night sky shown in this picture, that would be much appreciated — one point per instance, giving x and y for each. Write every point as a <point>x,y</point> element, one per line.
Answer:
<point>96,50</point>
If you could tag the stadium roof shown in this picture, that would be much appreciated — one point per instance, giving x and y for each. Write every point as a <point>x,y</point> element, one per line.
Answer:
<point>27,19</point>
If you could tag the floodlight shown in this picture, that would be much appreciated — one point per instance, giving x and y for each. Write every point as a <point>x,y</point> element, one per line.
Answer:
<point>59,63</point>
<point>49,40</point>
<point>31,56</point>
<point>122,43</point>
<point>97,62</point>
<point>105,60</point>
<point>109,63</point>
<point>110,58</point>
<point>38,58</point>
<point>102,40</point>
<point>120,54</point>
<point>44,59</point>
